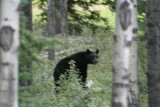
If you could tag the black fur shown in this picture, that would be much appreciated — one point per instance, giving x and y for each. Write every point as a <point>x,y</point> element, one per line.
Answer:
<point>81,59</point>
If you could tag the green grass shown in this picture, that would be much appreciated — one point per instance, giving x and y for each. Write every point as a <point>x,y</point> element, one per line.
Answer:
<point>41,93</point>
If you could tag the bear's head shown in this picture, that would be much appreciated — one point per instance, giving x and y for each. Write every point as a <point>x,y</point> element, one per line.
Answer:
<point>92,57</point>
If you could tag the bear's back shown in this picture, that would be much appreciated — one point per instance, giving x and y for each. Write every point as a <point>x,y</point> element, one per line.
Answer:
<point>63,64</point>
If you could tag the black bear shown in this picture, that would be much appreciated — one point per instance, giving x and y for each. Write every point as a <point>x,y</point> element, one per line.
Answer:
<point>81,59</point>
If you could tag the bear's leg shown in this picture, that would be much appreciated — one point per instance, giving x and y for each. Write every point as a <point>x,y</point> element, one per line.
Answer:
<point>83,78</point>
<point>57,85</point>
<point>56,81</point>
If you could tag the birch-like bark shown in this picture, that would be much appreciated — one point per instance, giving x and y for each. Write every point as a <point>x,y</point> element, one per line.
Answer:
<point>123,40</point>
<point>9,48</point>
<point>153,51</point>
<point>134,89</point>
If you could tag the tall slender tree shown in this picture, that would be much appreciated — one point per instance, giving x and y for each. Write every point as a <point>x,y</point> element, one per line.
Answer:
<point>27,12</point>
<point>64,18</point>
<point>134,89</point>
<point>9,48</point>
<point>57,17</point>
<point>152,32</point>
<point>123,40</point>
<point>27,9</point>
<point>51,25</point>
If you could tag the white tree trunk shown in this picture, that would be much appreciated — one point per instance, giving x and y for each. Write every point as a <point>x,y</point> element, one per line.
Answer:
<point>9,48</point>
<point>134,89</point>
<point>123,40</point>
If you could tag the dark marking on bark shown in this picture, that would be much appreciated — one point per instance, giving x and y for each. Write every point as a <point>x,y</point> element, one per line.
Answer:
<point>149,75</point>
<point>156,10</point>
<point>134,82</point>
<point>5,105</point>
<point>132,1</point>
<point>126,77</point>
<point>120,85</point>
<point>148,14</point>
<point>117,53</point>
<point>115,94</point>
<point>20,7</point>
<point>128,43</point>
<point>16,50</point>
<point>125,70</point>
<point>116,104</point>
<point>6,37</point>
<point>134,38</point>
<point>135,6</point>
<point>11,81</point>
<point>135,30</point>
<point>113,70</point>
<point>5,63</point>
<point>133,56</point>
<point>6,19</point>
<point>151,42</point>
<point>130,99</point>
<point>125,15</point>
<point>115,37</point>
<point>11,70</point>
<point>150,25</point>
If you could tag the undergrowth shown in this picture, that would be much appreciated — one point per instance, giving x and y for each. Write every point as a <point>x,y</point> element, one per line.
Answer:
<point>41,92</point>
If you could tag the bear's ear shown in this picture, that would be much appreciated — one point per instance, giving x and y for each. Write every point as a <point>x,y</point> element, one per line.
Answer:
<point>88,51</point>
<point>97,51</point>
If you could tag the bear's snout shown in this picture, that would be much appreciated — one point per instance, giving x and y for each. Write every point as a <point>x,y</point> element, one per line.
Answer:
<point>95,61</point>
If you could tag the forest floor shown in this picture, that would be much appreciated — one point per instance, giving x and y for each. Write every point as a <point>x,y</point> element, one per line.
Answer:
<point>41,93</point>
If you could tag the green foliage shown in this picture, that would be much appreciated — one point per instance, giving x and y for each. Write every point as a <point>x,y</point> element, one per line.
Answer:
<point>141,14</point>
<point>141,6</point>
<point>70,82</point>
<point>41,93</point>
<point>40,19</point>
<point>23,2</point>
<point>32,44</point>
<point>142,71</point>
<point>87,13</point>
<point>80,13</point>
